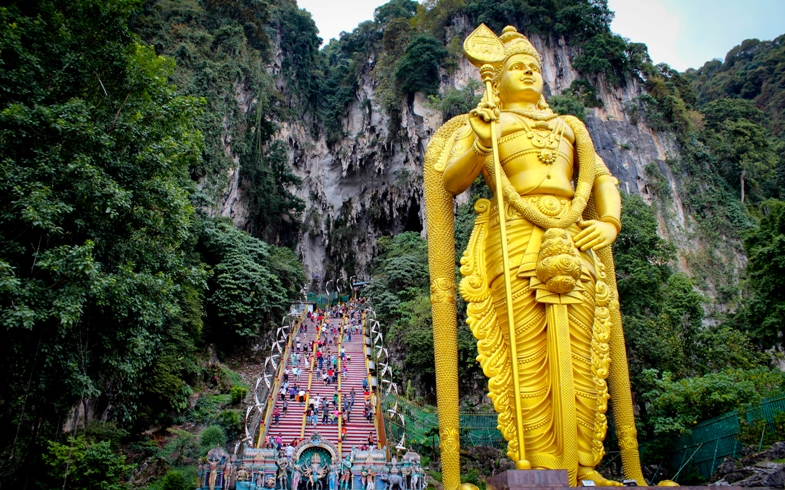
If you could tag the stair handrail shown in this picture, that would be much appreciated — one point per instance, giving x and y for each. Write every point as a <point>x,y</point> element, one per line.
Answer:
<point>254,412</point>
<point>264,423</point>
<point>376,396</point>
<point>339,409</point>
<point>310,378</point>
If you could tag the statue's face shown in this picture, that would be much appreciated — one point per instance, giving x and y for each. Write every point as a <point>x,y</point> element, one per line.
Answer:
<point>521,80</point>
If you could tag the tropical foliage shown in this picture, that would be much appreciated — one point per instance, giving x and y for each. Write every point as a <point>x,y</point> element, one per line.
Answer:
<point>122,123</point>
<point>105,262</point>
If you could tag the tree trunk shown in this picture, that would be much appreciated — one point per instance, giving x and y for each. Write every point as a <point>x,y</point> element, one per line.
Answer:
<point>743,173</point>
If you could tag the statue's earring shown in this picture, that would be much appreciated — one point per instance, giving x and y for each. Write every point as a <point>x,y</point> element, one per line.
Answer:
<point>497,100</point>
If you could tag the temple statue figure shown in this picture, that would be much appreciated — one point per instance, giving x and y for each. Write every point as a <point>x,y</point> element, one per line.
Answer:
<point>314,472</point>
<point>538,272</point>
<point>347,479</point>
<point>296,476</point>
<point>283,471</point>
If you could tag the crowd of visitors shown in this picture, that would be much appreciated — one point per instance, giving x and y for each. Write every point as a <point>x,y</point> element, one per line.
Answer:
<point>321,354</point>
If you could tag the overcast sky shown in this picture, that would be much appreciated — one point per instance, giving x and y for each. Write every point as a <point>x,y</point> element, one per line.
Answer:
<point>683,33</point>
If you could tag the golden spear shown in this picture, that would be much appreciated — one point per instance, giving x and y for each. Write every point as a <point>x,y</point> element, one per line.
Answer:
<point>485,50</point>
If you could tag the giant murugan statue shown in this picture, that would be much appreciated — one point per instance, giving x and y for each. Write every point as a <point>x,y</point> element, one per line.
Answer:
<point>538,272</point>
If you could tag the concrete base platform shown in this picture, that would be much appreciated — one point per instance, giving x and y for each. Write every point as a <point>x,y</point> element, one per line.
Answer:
<point>546,479</point>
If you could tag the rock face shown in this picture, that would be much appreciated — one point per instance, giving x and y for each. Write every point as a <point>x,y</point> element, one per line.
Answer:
<point>369,183</point>
<point>755,470</point>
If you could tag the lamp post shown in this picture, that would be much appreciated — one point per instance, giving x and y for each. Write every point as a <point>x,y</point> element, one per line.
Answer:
<point>326,288</point>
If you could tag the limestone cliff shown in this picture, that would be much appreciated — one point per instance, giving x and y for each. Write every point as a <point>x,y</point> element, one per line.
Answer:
<point>364,186</point>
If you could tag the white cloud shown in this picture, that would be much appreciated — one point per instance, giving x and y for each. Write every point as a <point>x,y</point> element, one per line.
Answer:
<point>687,33</point>
<point>682,33</point>
<point>648,21</point>
<point>334,16</point>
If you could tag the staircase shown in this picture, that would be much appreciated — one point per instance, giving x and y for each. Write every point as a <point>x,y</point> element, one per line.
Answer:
<point>358,428</point>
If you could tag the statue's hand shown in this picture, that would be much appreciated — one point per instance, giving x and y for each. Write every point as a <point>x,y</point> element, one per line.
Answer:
<point>480,120</point>
<point>595,235</point>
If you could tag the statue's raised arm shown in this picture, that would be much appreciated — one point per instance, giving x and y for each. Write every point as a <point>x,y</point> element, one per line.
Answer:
<point>538,272</point>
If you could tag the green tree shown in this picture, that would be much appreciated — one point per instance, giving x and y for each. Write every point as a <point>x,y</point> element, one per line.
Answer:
<point>300,51</point>
<point>174,480</point>
<point>418,70</point>
<point>221,49</point>
<point>676,405</point>
<point>568,104</point>
<point>212,436</point>
<point>251,282</point>
<point>751,71</point>
<point>745,156</point>
<point>395,9</point>
<point>642,258</point>
<point>400,295</point>
<point>269,176</point>
<point>80,465</point>
<point>764,311</point>
<point>458,101</point>
<point>95,151</point>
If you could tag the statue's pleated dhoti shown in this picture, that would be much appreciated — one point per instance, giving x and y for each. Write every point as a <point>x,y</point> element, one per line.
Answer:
<point>562,408</point>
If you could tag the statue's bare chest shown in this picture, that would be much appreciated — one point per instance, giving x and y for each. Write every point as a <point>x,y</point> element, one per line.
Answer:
<point>535,143</point>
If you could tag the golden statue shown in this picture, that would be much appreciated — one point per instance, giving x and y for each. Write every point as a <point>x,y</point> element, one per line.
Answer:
<point>538,278</point>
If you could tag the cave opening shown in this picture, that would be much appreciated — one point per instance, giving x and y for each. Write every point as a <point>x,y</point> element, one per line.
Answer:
<point>413,222</point>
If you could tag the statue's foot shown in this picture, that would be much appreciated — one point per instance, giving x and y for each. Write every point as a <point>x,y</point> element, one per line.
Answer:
<point>599,480</point>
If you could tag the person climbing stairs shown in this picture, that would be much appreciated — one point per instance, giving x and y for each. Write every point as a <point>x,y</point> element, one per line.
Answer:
<point>358,430</point>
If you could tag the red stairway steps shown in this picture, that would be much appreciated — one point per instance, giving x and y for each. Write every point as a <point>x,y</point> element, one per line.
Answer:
<point>358,428</point>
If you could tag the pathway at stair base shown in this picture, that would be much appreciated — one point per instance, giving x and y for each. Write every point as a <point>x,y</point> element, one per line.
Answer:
<point>548,480</point>
<point>315,463</point>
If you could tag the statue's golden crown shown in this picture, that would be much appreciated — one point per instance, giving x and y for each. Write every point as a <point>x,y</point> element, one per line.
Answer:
<point>517,43</point>
<point>483,47</point>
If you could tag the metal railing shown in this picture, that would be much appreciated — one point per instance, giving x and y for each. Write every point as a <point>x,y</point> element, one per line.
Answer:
<point>258,413</point>
<point>709,442</point>
<point>418,425</point>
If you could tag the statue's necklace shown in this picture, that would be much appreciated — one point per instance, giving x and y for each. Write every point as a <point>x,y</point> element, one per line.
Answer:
<point>534,114</point>
<point>543,137</point>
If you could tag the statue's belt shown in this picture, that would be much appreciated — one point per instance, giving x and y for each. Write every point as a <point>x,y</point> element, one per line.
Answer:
<point>552,206</point>
<point>549,205</point>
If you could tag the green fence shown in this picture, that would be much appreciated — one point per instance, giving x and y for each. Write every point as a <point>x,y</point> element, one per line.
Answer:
<point>704,448</point>
<point>711,441</point>
<point>322,300</point>
<point>422,426</point>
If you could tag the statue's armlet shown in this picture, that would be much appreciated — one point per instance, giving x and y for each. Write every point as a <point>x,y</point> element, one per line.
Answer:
<point>461,159</point>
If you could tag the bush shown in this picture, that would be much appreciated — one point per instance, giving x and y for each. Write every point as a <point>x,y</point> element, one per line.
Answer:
<point>212,436</point>
<point>568,104</point>
<point>174,480</point>
<point>85,465</point>
<point>238,394</point>
<point>584,91</point>
<point>757,432</point>
<point>676,406</point>
<point>181,448</point>
<point>458,101</point>
<point>231,422</point>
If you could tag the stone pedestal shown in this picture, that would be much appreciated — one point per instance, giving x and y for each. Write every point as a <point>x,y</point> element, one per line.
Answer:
<point>514,479</point>
<point>548,479</point>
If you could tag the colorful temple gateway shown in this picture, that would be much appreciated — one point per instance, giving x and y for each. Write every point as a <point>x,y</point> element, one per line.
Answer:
<point>315,465</point>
